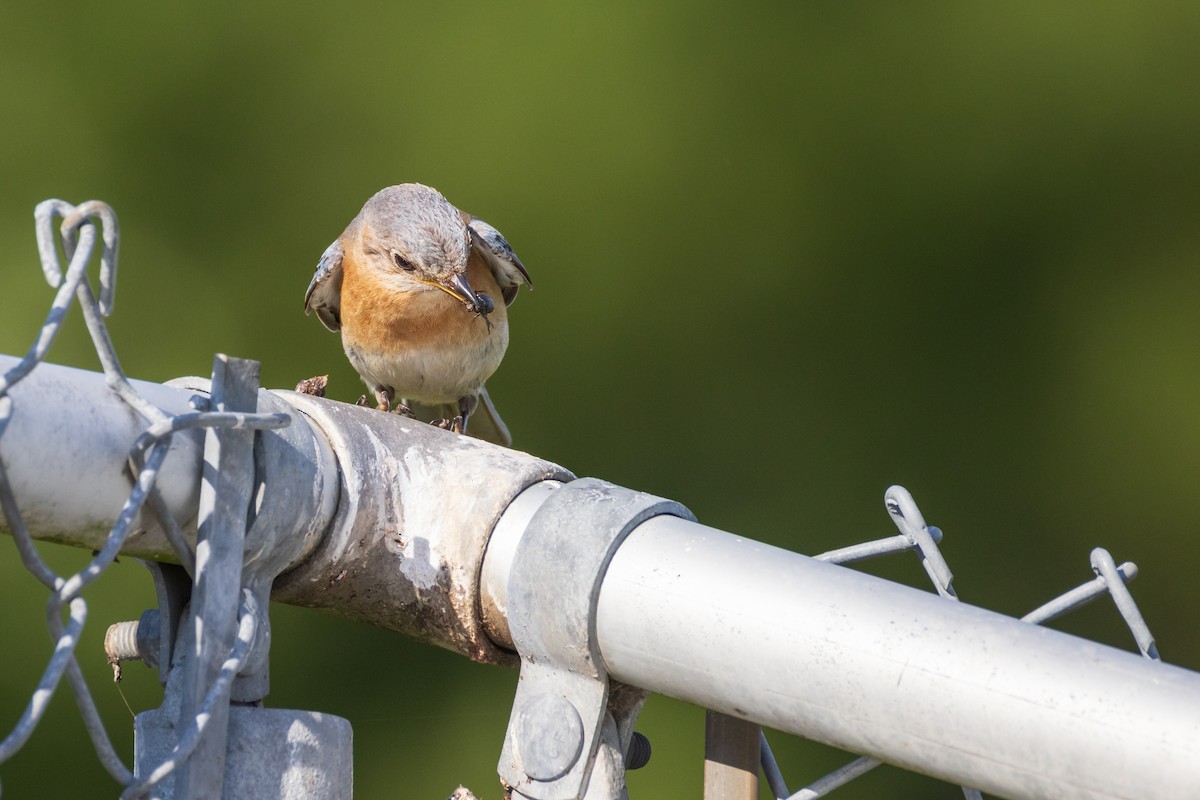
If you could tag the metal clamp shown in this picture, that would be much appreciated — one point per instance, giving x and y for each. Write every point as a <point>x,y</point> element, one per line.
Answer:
<point>562,701</point>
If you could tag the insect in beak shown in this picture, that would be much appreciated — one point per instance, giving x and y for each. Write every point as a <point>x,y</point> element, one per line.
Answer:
<point>478,304</point>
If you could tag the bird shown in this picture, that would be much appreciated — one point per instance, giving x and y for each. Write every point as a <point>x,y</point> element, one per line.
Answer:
<point>412,284</point>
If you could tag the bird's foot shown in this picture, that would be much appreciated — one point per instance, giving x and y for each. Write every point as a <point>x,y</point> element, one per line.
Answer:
<point>361,401</point>
<point>384,395</point>
<point>403,411</point>
<point>456,425</point>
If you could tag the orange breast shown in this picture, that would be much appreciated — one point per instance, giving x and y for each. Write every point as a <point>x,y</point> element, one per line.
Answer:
<point>377,317</point>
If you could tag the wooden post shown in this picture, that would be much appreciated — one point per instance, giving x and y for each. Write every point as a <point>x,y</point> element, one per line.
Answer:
<point>731,758</point>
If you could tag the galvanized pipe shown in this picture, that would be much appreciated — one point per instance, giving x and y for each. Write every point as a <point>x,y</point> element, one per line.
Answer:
<point>873,667</point>
<point>66,450</point>
<point>415,510</point>
<point>380,518</point>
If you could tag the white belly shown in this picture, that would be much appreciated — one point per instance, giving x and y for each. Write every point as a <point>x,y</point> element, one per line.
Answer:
<point>429,374</point>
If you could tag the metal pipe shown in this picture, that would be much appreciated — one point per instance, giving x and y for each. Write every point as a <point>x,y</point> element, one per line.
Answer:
<point>381,518</point>
<point>66,450</point>
<point>873,667</point>
<point>416,507</point>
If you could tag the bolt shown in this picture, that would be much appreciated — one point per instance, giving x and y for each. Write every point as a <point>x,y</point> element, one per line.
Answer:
<point>549,737</point>
<point>133,641</point>
<point>638,753</point>
<point>120,644</point>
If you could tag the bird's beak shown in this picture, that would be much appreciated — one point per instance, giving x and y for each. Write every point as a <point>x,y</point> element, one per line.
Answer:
<point>457,287</point>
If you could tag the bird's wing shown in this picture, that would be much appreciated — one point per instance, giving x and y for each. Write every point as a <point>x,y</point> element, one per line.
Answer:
<point>506,267</point>
<point>324,293</point>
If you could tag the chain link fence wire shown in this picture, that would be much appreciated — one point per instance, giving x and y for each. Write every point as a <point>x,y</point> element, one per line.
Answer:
<point>922,539</point>
<point>84,230</point>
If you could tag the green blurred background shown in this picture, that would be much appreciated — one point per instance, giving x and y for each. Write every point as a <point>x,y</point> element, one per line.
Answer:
<point>786,254</point>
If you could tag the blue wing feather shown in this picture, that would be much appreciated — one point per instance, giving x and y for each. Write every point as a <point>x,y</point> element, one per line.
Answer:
<point>324,294</point>
<point>508,270</point>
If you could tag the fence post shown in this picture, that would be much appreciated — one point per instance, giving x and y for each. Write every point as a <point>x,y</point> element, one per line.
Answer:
<point>252,497</point>
<point>228,476</point>
<point>731,757</point>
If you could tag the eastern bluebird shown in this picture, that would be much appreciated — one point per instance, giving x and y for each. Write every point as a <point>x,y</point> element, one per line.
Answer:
<point>410,284</point>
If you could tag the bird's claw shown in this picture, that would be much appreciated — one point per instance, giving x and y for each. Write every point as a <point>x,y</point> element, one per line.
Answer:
<point>385,397</point>
<point>456,424</point>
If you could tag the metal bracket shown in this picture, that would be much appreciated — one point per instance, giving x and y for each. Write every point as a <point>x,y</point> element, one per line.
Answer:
<point>290,506</point>
<point>263,506</point>
<point>173,587</point>
<point>562,699</point>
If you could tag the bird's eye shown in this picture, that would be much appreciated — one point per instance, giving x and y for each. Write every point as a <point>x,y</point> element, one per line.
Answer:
<point>403,263</point>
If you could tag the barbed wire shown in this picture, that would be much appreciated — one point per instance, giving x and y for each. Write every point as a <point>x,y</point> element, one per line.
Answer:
<point>82,228</point>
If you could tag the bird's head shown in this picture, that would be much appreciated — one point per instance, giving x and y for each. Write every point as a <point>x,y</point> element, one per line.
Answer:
<point>415,234</point>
